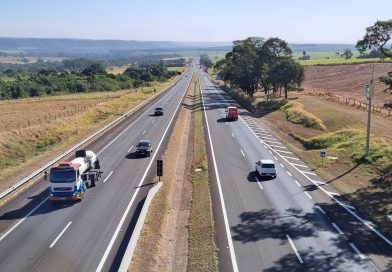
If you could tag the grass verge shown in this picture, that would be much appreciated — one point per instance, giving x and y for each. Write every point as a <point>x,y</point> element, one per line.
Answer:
<point>202,248</point>
<point>296,114</point>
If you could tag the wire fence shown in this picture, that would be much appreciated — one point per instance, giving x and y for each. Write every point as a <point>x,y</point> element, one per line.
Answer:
<point>386,112</point>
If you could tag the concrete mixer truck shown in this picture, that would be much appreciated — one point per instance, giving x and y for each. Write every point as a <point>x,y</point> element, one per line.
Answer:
<point>69,180</point>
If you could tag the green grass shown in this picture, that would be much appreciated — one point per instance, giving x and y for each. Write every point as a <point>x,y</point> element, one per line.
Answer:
<point>351,142</point>
<point>296,114</point>
<point>330,58</point>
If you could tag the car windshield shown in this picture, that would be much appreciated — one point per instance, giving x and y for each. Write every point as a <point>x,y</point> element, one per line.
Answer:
<point>268,165</point>
<point>159,109</point>
<point>59,176</point>
<point>143,144</point>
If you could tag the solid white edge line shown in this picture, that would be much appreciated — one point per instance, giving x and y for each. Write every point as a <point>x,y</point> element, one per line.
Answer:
<point>337,228</point>
<point>308,195</point>
<point>23,219</point>
<point>320,209</point>
<point>363,257</point>
<point>258,182</point>
<point>242,152</point>
<point>295,249</point>
<point>117,231</point>
<point>129,150</point>
<point>309,173</point>
<point>288,173</point>
<point>61,233</point>
<point>107,177</point>
<point>228,235</point>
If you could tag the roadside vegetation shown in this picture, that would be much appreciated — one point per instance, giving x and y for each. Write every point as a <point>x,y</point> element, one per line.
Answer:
<point>295,113</point>
<point>256,62</point>
<point>93,78</point>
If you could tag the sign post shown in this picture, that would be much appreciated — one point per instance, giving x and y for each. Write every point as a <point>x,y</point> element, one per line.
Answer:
<point>369,93</point>
<point>159,169</point>
<point>323,154</point>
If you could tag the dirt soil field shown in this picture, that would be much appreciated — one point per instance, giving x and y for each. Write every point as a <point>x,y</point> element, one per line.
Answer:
<point>348,80</point>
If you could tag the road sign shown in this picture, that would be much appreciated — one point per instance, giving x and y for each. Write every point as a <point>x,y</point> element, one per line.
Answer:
<point>323,154</point>
<point>369,90</point>
<point>159,168</point>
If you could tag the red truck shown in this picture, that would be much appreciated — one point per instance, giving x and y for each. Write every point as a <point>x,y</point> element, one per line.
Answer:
<point>232,113</point>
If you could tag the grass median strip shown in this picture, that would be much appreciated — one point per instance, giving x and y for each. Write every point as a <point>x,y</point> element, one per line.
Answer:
<point>202,248</point>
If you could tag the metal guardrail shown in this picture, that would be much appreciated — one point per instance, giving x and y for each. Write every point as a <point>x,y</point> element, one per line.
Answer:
<point>38,171</point>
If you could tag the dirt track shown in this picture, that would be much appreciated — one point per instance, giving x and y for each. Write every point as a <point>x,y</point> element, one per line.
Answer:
<point>348,80</point>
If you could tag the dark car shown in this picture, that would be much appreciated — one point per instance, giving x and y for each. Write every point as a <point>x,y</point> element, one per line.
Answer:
<point>144,148</point>
<point>158,111</point>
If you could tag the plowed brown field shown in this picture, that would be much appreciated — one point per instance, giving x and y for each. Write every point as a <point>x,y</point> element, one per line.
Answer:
<point>348,80</point>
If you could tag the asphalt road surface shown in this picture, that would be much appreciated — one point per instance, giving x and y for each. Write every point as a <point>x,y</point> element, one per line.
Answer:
<point>295,222</point>
<point>38,235</point>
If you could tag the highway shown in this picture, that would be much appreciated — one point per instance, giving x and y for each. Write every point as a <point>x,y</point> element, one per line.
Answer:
<point>294,222</point>
<point>38,235</point>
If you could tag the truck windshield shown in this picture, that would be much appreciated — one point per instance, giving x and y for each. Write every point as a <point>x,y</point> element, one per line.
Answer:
<point>60,176</point>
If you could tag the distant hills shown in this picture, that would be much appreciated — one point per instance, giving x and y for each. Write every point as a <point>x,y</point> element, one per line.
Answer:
<point>81,47</point>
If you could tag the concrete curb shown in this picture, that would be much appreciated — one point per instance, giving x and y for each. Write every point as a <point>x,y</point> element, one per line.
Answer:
<point>126,261</point>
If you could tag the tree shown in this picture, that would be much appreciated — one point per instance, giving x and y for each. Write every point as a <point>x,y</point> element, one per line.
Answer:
<point>347,54</point>
<point>206,61</point>
<point>377,35</point>
<point>94,69</point>
<point>287,74</point>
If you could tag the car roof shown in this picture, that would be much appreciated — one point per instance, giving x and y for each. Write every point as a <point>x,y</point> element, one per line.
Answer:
<point>267,161</point>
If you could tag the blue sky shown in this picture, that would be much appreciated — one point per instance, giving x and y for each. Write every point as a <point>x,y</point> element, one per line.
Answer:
<point>298,21</point>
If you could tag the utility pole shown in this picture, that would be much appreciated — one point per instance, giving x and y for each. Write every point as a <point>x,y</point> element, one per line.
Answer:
<point>369,93</point>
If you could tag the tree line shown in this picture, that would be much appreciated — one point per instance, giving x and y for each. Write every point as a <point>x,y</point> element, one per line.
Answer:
<point>258,63</point>
<point>93,78</point>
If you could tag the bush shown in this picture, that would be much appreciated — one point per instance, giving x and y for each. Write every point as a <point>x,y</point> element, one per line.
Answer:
<point>295,113</point>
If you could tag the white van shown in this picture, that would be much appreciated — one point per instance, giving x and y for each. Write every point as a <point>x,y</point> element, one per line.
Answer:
<point>266,168</point>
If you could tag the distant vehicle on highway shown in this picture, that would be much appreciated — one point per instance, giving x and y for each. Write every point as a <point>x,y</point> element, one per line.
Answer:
<point>232,113</point>
<point>265,168</point>
<point>144,148</point>
<point>158,111</point>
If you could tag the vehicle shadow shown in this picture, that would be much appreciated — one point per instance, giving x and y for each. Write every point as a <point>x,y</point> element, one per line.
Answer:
<point>47,206</point>
<point>222,120</point>
<point>135,156</point>
<point>253,175</point>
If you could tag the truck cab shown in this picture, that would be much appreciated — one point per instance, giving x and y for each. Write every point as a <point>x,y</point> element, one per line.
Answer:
<point>232,113</point>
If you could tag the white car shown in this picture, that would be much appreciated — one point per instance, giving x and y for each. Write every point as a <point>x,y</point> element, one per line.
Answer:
<point>266,168</point>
